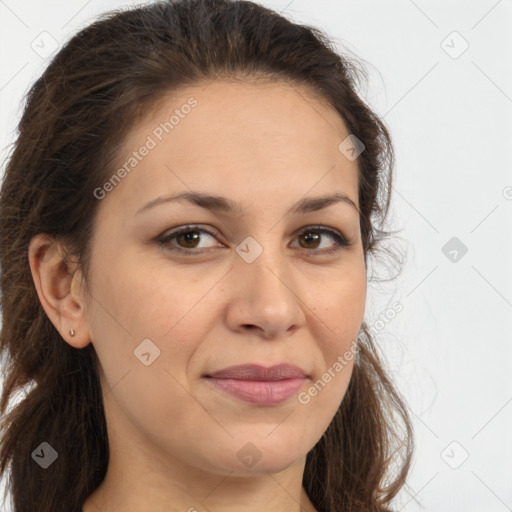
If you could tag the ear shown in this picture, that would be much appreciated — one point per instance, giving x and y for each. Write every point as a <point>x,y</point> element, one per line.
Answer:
<point>59,287</point>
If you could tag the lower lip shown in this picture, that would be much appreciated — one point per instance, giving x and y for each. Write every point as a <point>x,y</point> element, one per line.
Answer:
<point>259,392</point>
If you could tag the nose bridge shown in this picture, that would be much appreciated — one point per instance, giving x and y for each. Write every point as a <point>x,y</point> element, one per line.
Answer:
<point>262,255</point>
<point>265,275</point>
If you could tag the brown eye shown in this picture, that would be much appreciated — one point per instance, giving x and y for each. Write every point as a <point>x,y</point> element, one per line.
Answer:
<point>313,237</point>
<point>186,238</point>
<point>310,237</point>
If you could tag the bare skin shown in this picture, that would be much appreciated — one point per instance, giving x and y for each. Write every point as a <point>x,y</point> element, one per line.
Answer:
<point>174,439</point>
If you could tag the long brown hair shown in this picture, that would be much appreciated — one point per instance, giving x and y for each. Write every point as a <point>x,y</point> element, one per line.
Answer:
<point>76,117</point>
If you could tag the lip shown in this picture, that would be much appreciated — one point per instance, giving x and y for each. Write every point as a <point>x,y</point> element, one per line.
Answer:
<point>258,384</point>
<point>259,372</point>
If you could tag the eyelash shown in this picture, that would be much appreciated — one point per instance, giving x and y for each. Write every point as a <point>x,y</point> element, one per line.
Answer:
<point>340,239</point>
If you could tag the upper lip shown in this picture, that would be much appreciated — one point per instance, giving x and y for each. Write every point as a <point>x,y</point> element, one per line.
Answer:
<point>260,373</point>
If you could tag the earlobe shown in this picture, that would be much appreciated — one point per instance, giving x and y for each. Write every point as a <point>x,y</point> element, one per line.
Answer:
<point>61,299</point>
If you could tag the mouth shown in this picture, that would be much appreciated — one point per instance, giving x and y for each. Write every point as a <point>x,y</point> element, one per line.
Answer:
<point>259,385</point>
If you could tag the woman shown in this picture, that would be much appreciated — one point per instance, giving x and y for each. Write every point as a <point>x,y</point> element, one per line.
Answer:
<point>186,222</point>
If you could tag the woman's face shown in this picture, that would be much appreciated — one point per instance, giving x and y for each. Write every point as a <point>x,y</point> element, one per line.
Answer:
<point>250,285</point>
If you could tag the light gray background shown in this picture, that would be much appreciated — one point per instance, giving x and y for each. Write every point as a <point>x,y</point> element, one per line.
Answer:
<point>451,120</point>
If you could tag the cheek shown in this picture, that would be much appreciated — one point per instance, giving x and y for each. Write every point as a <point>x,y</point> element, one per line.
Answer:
<point>338,315</point>
<point>144,333</point>
<point>339,307</point>
<point>136,302</point>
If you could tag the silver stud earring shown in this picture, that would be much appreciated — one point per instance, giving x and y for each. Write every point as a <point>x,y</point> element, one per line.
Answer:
<point>72,332</point>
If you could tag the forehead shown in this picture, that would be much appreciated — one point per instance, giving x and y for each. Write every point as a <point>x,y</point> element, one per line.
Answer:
<point>229,136</point>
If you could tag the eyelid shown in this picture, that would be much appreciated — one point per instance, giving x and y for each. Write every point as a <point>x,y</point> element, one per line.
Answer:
<point>334,233</point>
<point>169,234</point>
<point>341,240</point>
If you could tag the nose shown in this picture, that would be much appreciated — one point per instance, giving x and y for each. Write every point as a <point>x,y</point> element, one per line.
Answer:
<point>265,297</point>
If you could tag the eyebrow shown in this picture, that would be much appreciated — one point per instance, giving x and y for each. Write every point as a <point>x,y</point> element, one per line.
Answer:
<point>223,204</point>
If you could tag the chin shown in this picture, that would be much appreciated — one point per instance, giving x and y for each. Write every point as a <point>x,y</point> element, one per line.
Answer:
<point>265,455</point>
